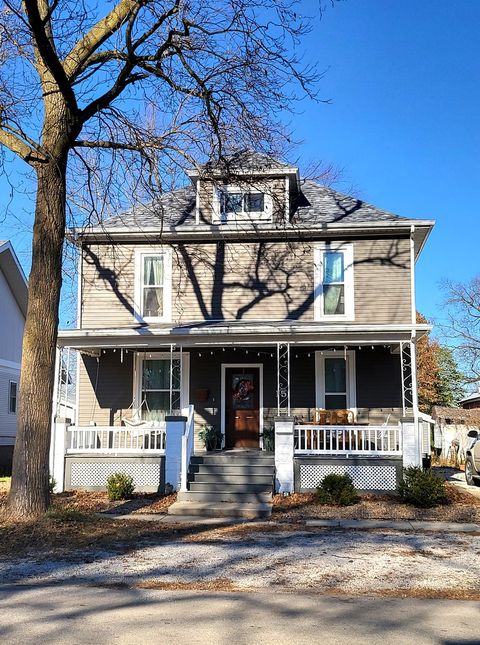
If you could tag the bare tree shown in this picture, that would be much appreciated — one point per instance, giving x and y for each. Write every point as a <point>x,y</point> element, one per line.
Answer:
<point>462,328</point>
<point>86,99</point>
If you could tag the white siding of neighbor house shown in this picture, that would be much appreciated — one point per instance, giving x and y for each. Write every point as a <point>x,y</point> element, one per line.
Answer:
<point>11,324</point>
<point>8,421</point>
<point>11,335</point>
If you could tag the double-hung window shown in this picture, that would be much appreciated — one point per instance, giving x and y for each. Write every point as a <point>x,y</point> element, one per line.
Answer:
<point>335,379</point>
<point>12,397</point>
<point>153,286</point>
<point>334,282</point>
<point>162,384</point>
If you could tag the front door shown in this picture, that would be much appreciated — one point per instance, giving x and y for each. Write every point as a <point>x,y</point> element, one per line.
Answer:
<point>242,407</point>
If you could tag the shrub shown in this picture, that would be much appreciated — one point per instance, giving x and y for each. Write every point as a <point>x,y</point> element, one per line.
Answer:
<point>337,490</point>
<point>269,438</point>
<point>119,486</point>
<point>422,488</point>
<point>51,485</point>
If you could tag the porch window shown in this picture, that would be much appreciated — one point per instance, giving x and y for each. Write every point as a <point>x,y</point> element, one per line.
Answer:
<point>335,380</point>
<point>153,286</point>
<point>12,397</point>
<point>334,282</point>
<point>160,388</point>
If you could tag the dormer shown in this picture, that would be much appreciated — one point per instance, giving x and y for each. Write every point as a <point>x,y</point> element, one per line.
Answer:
<point>247,188</point>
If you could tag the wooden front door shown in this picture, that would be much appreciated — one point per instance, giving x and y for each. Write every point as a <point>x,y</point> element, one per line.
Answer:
<point>242,407</point>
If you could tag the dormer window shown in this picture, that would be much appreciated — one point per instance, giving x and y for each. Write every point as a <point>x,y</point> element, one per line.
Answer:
<point>237,204</point>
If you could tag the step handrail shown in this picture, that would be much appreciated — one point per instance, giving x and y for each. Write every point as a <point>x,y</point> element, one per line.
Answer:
<point>188,442</point>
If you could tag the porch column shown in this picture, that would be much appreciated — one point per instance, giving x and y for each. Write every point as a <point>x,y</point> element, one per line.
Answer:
<point>175,429</point>
<point>58,451</point>
<point>412,452</point>
<point>284,430</point>
<point>283,379</point>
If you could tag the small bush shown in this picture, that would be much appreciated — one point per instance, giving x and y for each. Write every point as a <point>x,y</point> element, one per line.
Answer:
<point>51,485</point>
<point>337,490</point>
<point>119,486</point>
<point>269,438</point>
<point>422,488</point>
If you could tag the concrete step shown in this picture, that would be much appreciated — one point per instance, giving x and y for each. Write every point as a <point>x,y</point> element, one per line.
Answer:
<point>221,479</point>
<point>219,496</point>
<point>200,509</point>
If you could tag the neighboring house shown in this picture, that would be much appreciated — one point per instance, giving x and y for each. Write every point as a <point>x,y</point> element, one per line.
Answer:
<point>471,402</point>
<point>249,299</point>
<point>451,431</point>
<point>13,307</point>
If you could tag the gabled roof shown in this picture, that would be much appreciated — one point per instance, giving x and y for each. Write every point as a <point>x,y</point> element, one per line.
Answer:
<point>14,275</point>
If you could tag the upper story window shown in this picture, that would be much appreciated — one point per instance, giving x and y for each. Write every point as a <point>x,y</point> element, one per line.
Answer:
<point>236,204</point>
<point>334,282</point>
<point>153,285</point>
<point>12,397</point>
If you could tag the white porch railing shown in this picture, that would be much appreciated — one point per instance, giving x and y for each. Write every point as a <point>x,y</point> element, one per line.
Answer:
<point>116,439</point>
<point>348,440</point>
<point>188,441</point>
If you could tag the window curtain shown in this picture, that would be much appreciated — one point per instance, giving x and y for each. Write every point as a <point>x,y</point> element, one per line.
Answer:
<point>153,271</point>
<point>332,267</point>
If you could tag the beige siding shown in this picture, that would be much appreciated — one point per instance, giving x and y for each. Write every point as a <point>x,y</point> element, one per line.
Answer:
<point>248,281</point>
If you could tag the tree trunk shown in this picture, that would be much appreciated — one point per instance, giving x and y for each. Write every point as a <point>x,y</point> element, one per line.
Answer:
<point>29,494</point>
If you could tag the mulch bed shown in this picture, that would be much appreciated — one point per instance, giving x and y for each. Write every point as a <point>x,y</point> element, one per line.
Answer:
<point>461,507</point>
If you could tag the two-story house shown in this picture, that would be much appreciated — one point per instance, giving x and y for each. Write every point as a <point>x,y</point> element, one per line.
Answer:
<point>251,299</point>
<point>13,307</point>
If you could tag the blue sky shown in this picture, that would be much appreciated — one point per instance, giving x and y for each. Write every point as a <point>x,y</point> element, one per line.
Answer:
<point>403,78</point>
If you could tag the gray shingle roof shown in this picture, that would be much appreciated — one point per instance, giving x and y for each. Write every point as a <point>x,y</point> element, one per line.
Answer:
<point>315,205</point>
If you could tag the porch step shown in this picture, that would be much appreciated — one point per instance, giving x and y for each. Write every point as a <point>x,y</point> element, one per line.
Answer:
<point>237,495</point>
<point>201,509</point>
<point>228,484</point>
<point>228,469</point>
<point>232,477</point>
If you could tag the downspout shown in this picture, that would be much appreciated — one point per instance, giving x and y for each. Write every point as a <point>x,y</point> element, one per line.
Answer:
<point>413,339</point>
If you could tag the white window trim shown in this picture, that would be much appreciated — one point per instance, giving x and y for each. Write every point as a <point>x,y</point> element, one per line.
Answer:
<point>16,396</point>
<point>244,216</point>
<point>167,289</point>
<point>350,374</point>
<point>138,371</point>
<point>347,250</point>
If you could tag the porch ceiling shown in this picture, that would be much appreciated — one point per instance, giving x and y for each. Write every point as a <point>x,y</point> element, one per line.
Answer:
<point>239,333</point>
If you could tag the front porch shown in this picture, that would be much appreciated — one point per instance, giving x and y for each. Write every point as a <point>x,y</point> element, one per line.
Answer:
<point>344,404</point>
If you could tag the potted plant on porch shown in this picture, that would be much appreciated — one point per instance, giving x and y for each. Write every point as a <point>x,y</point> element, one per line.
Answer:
<point>209,436</point>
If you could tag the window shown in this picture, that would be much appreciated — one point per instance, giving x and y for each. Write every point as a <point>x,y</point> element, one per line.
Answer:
<point>153,286</point>
<point>335,380</point>
<point>12,397</point>
<point>235,203</point>
<point>161,384</point>
<point>334,282</point>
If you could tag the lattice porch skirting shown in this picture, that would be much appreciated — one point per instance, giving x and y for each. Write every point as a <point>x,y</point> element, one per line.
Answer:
<point>367,475</point>
<point>90,473</point>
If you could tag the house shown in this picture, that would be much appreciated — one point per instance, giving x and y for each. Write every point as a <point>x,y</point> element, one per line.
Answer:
<point>13,304</point>
<point>451,428</point>
<point>256,302</point>
<point>470,402</point>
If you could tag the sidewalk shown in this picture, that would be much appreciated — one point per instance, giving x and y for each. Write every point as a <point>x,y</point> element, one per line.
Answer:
<point>356,525</point>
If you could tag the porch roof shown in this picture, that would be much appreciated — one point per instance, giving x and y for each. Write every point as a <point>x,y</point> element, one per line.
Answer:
<point>224,333</point>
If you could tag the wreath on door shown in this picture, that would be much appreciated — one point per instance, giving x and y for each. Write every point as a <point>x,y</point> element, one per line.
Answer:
<point>242,390</point>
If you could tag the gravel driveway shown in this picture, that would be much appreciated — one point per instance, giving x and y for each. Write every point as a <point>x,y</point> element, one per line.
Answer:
<point>350,562</point>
